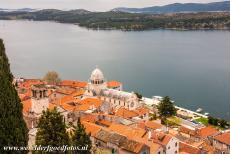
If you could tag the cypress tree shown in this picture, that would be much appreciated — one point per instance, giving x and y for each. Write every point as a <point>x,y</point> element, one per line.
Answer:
<point>81,139</point>
<point>13,130</point>
<point>51,131</point>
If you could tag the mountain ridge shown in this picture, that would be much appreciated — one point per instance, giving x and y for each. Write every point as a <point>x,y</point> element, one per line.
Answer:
<point>179,7</point>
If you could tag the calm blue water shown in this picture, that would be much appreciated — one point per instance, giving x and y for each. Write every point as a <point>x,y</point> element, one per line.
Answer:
<point>192,67</point>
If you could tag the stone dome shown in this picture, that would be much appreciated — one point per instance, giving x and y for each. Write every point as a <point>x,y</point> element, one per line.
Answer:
<point>97,76</point>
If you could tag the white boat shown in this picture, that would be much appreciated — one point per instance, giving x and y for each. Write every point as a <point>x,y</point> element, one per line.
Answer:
<point>206,113</point>
<point>199,110</point>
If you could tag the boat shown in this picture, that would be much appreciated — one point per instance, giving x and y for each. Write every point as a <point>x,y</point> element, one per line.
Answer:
<point>199,110</point>
<point>206,113</point>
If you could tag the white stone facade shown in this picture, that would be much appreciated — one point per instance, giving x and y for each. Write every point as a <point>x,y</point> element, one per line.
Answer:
<point>173,146</point>
<point>97,87</point>
<point>40,100</point>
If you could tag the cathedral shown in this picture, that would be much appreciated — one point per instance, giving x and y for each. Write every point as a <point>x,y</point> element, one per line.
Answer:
<point>98,87</point>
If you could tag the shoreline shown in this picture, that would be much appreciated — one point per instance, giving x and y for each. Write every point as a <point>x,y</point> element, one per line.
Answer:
<point>122,29</point>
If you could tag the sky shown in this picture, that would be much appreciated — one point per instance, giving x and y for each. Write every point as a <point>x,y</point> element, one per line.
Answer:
<point>92,5</point>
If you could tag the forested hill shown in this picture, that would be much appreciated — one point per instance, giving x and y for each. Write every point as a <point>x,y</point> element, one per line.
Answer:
<point>126,21</point>
<point>179,7</point>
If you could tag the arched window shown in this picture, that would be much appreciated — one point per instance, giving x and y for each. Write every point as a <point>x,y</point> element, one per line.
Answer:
<point>34,93</point>
<point>40,94</point>
<point>44,93</point>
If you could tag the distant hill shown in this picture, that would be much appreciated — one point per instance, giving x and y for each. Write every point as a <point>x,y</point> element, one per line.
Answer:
<point>179,7</point>
<point>18,10</point>
<point>127,21</point>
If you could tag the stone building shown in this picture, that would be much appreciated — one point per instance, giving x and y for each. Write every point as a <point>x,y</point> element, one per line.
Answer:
<point>98,87</point>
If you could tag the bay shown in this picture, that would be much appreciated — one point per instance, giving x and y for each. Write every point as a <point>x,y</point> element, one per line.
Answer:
<point>192,67</point>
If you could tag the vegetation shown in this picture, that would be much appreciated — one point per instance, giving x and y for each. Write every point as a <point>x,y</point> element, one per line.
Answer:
<point>128,21</point>
<point>52,77</point>
<point>218,122</point>
<point>81,138</point>
<point>13,130</point>
<point>202,120</point>
<point>171,121</point>
<point>139,96</point>
<point>51,131</point>
<point>166,109</point>
<point>152,116</point>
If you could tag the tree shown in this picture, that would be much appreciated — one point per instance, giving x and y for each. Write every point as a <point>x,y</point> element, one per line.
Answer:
<point>52,77</point>
<point>211,120</point>
<point>166,109</point>
<point>139,96</point>
<point>222,123</point>
<point>13,130</point>
<point>51,130</point>
<point>152,116</point>
<point>81,138</point>
<point>215,121</point>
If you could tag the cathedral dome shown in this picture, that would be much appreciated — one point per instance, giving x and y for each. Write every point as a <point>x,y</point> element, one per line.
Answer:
<point>97,76</point>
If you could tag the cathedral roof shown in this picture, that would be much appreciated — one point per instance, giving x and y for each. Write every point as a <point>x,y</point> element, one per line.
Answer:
<point>97,75</point>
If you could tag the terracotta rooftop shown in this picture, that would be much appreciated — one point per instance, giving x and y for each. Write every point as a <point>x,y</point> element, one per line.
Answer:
<point>87,104</point>
<point>70,103</point>
<point>78,93</point>
<point>51,106</point>
<point>73,83</point>
<point>89,118</point>
<point>91,128</point>
<point>27,106</point>
<point>153,125</point>
<point>125,113</point>
<point>154,147</point>
<point>119,140</point>
<point>141,111</point>
<point>161,137</point>
<point>188,131</point>
<point>29,82</point>
<point>224,138</point>
<point>64,91</point>
<point>127,130</point>
<point>207,131</point>
<point>113,84</point>
<point>24,97</point>
<point>186,148</point>
<point>105,123</point>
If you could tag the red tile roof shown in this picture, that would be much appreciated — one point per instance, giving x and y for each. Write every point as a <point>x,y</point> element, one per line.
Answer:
<point>188,131</point>
<point>73,83</point>
<point>91,128</point>
<point>113,84</point>
<point>127,130</point>
<point>89,118</point>
<point>125,113</point>
<point>27,106</point>
<point>224,138</point>
<point>29,82</point>
<point>51,106</point>
<point>207,131</point>
<point>161,137</point>
<point>64,91</point>
<point>141,111</point>
<point>105,123</point>
<point>153,125</point>
<point>186,148</point>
